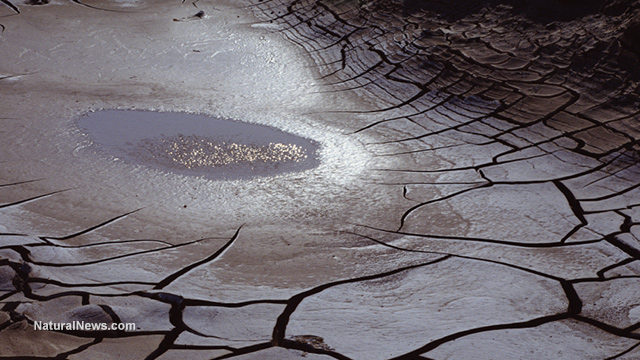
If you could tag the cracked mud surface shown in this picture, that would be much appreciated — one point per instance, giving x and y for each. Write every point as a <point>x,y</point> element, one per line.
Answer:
<point>478,193</point>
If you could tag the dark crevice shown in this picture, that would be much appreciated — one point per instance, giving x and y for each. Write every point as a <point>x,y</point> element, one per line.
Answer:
<point>11,6</point>
<point>617,356</point>
<point>528,270</point>
<point>79,349</point>
<point>196,302</point>
<point>280,328</point>
<point>165,344</point>
<point>484,240</point>
<point>92,228</point>
<point>298,345</point>
<point>19,182</point>
<point>25,253</point>
<point>516,86</point>
<point>624,262</point>
<point>608,328</point>
<point>95,7</point>
<point>630,250</point>
<point>171,278</point>
<point>516,325</point>
<point>33,198</point>
<point>245,350</point>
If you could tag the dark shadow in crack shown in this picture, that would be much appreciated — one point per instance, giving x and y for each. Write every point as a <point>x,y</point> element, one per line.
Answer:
<point>542,11</point>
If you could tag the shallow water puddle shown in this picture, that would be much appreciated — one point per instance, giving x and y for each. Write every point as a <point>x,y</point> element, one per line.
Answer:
<point>198,145</point>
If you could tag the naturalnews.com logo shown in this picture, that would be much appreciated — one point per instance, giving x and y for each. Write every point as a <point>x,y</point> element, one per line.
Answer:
<point>83,326</point>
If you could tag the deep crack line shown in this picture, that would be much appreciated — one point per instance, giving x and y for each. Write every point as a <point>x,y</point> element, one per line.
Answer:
<point>36,280</point>
<point>79,349</point>
<point>462,65</point>
<point>556,244</point>
<point>576,208</point>
<point>612,238</point>
<point>94,7</point>
<point>515,325</point>
<point>298,345</point>
<point>612,195</point>
<point>408,212</point>
<point>32,198</point>
<point>623,353</point>
<point>18,182</point>
<point>245,350</point>
<point>574,306</point>
<point>47,243</point>
<point>92,228</point>
<point>25,254</point>
<point>171,278</point>
<point>13,7</point>
<point>602,271</point>
<point>202,303</point>
<point>280,328</point>
<point>608,328</point>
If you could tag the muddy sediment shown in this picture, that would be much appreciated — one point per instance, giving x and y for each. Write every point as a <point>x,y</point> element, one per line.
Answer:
<point>474,190</point>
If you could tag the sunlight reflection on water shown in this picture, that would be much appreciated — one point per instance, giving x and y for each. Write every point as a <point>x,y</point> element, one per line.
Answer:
<point>198,145</point>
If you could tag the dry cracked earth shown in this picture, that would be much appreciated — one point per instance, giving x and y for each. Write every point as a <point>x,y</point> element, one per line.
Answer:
<point>477,194</point>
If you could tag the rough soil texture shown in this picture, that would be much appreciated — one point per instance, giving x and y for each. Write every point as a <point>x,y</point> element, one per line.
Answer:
<point>478,192</point>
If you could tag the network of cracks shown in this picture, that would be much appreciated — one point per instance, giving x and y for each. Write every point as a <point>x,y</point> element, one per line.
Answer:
<point>521,239</point>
